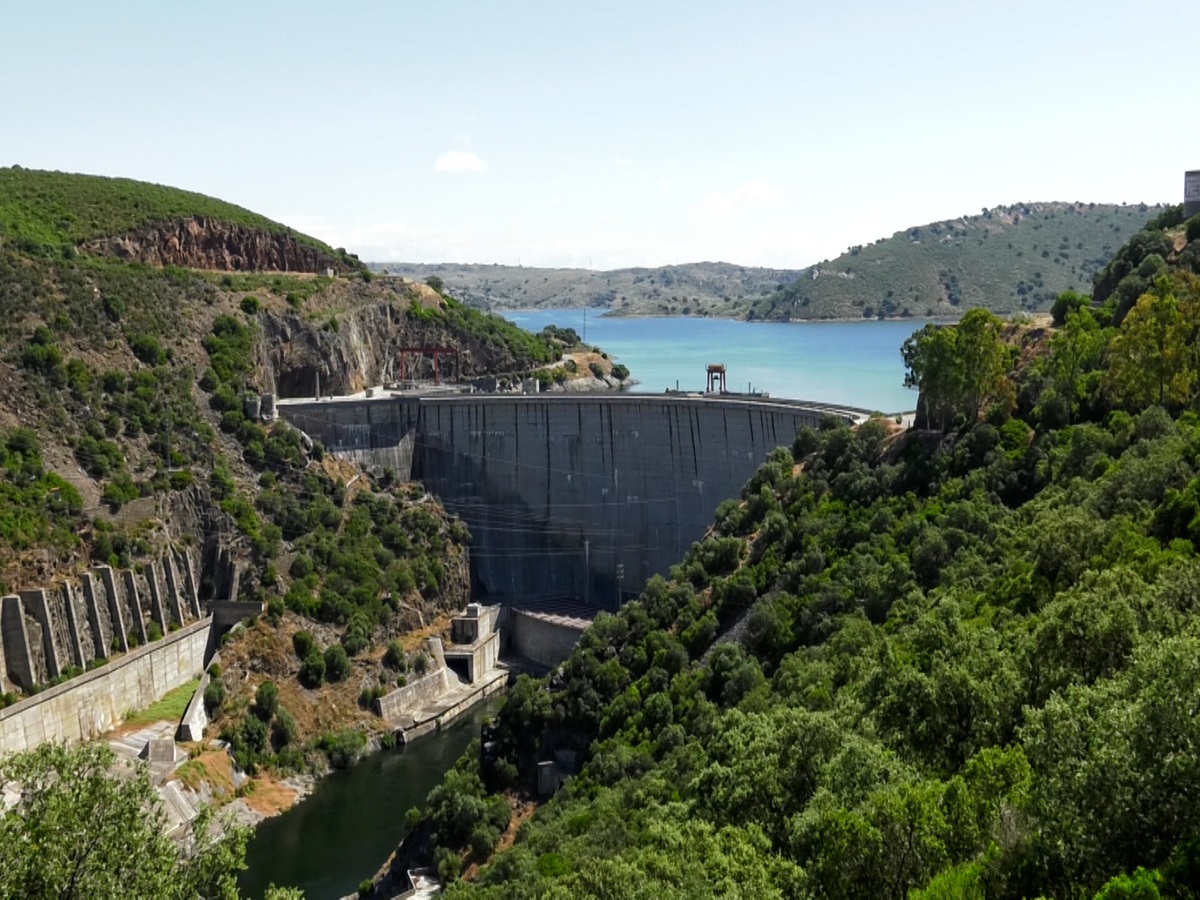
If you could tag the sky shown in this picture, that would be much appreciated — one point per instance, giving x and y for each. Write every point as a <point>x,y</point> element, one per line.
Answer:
<point>613,134</point>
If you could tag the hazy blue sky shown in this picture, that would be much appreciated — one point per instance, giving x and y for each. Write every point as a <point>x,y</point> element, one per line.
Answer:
<point>615,133</point>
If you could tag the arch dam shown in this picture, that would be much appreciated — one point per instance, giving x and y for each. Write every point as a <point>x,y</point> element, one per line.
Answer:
<point>566,495</point>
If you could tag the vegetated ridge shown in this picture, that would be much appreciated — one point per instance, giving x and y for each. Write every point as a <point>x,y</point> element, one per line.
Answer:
<point>692,289</point>
<point>1008,259</point>
<point>124,430</point>
<point>959,661</point>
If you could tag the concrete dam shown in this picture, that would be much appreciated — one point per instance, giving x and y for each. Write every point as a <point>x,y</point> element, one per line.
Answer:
<point>567,495</point>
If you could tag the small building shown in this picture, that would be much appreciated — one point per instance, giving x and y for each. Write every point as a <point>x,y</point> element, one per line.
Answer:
<point>1191,193</point>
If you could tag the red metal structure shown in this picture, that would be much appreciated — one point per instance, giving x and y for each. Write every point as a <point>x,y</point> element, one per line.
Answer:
<point>436,352</point>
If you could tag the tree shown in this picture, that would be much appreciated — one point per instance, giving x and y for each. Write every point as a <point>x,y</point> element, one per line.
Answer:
<point>981,359</point>
<point>1074,349</point>
<point>956,368</point>
<point>929,361</point>
<point>1148,360</point>
<point>79,831</point>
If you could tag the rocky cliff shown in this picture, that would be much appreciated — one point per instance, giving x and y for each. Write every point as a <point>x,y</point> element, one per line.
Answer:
<point>200,242</point>
<point>359,344</point>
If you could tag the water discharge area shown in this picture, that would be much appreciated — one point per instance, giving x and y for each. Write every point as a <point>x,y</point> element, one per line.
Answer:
<point>848,363</point>
<point>354,819</point>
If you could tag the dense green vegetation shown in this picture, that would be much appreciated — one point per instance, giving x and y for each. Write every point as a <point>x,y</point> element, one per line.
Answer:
<point>1008,259</point>
<point>80,831</point>
<point>37,508</point>
<point>56,211</point>
<point>958,662</point>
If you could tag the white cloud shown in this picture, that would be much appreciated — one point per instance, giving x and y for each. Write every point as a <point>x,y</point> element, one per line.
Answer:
<point>722,203</point>
<point>663,184</point>
<point>622,162</point>
<point>459,161</point>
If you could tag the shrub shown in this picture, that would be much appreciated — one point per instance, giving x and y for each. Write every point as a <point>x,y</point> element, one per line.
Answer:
<point>337,663</point>
<point>214,696</point>
<point>266,700</point>
<point>1193,228</point>
<point>620,372</point>
<point>283,731</point>
<point>312,670</point>
<point>250,305</point>
<point>421,664</point>
<point>395,657</point>
<point>148,350</point>
<point>154,631</point>
<point>596,369</point>
<point>343,748</point>
<point>303,643</point>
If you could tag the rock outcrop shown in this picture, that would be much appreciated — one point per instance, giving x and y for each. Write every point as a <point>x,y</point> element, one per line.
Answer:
<point>360,347</point>
<point>199,242</point>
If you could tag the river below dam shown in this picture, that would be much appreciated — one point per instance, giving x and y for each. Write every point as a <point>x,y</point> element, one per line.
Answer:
<point>345,830</point>
<point>849,363</point>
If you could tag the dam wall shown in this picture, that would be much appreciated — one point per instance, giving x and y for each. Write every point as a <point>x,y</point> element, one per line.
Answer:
<point>584,496</point>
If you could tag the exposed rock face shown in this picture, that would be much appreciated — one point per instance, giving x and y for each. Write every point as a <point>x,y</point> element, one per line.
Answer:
<point>202,243</point>
<point>364,351</point>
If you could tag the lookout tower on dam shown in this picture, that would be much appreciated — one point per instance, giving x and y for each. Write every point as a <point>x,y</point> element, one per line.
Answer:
<point>579,496</point>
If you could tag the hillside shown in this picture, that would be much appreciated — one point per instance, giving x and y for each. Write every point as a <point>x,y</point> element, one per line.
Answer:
<point>57,212</point>
<point>1010,259</point>
<point>124,431</point>
<point>694,289</point>
<point>954,662</point>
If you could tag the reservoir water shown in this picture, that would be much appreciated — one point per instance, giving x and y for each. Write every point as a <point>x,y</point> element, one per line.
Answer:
<point>353,820</point>
<point>854,363</point>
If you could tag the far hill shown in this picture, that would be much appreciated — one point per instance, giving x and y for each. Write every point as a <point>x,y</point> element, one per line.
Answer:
<point>1009,259</point>
<point>693,289</point>
<point>62,213</point>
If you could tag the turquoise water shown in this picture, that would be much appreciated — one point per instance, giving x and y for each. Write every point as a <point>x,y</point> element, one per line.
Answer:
<point>853,363</point>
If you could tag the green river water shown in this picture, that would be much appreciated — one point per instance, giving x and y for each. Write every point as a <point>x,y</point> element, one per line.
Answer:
<point>354,819</point>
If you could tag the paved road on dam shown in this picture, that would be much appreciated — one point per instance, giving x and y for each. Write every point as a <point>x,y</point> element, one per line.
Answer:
<point>580,495</point>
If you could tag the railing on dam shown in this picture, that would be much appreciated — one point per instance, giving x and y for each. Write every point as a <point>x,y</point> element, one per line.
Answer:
<point>568,494</point>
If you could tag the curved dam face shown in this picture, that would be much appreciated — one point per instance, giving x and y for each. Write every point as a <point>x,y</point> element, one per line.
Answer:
<point>584,496</point>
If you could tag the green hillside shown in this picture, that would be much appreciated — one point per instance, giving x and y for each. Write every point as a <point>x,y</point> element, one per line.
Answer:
<point>1009,259</point>
<point>689,289</point>
<point>950,663</point>
<point>41,209</point>
<point>124,431</point>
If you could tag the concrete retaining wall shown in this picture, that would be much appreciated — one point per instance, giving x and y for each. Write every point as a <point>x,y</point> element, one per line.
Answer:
<point>47,631</point>
<point>564,492</point>
<point>545,643</point>
<point>404,700</point>
<point>93,703</point>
